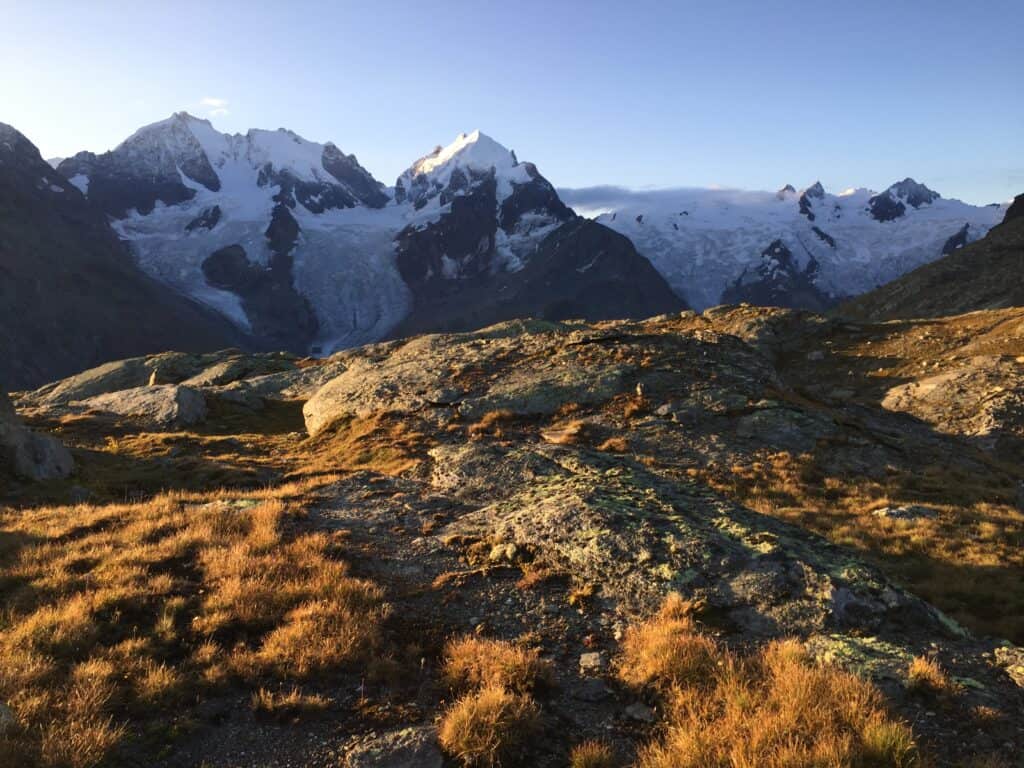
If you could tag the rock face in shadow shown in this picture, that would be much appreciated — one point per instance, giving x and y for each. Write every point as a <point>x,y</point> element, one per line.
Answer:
<point>70,294</point>
<point>29,454</point>
<point>581,270</point>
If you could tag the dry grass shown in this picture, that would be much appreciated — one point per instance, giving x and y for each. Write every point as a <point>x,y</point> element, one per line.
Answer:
<point>924,675</point>
<point>288,704</point>
<point>616,444</point>
<point>592,754</point>
<point>489,727</point>
<point>384,443</point>
<point>474,662</point>
<point>492,424</point>
<point>115,613</point>
<point>772,709</point>
<point>667,650</point>
<point>967,561</point>
<point>574,432</point>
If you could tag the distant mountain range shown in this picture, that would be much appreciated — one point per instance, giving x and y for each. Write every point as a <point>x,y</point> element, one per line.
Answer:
<point>266,240</point>
<point>806,249</point>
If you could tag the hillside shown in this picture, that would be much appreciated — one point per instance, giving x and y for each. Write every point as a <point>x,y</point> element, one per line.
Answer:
<point>70,295</point>
<point>503,545</point>
<point>985,274</point>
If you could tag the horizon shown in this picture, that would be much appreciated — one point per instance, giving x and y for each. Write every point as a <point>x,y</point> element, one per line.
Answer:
<point>645,98</point>
<point>841,191</point>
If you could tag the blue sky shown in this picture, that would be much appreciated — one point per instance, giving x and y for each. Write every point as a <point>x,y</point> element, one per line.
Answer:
<point>640,94</point>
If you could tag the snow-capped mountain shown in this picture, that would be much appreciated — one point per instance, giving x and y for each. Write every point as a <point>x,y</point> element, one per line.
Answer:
<point>715,245</point>
<point>302,248</point>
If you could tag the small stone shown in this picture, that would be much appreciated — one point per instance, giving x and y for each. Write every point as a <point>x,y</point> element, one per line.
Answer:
<point>592,662</point>
<point>640,712</point>
<point>907,512</point>
<point>503,553</point>
<point>816,355</point>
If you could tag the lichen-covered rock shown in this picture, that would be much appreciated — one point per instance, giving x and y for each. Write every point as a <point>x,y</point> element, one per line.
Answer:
<point>981,398</point>
<point>613,523</point>
<point>475,372</point>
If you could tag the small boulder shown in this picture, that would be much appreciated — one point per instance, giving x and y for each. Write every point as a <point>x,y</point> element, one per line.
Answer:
<point>640,712</point>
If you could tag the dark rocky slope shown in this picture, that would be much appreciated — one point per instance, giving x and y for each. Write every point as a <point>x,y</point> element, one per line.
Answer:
<point>70,295</point>
<point>581,270</point>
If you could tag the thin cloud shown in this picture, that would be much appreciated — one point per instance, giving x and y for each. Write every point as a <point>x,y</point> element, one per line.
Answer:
<point>215,107</point>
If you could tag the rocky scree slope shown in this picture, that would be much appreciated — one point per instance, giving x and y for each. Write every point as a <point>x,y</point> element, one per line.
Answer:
<point>70,295</point>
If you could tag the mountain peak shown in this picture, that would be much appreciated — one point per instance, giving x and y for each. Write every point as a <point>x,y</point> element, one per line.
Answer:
<point>475,150</point>
<point>914,193</point>
<point>815,190</point>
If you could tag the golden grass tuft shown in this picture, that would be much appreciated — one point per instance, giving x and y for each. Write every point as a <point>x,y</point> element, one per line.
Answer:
<point>115,613</point>
<point>489,727</point>
<point>289,704</point>
<point>491,424</point>
<point>475,662</point>
<point>925,675</point>
<point>592,754</point>
<point>774,708</point>
<point>667,650</point>
<point>616,444</point>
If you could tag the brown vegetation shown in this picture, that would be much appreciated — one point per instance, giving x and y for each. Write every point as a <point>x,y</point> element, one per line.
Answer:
<point>967,560</point>
<point>775,708</point>
<point>474,662</point>
<point>115,613</point>
<point>592,754</point>
<point>489,727</point>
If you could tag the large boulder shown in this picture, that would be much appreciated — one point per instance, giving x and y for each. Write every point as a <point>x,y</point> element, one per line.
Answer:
<point>525,367</point>
<point>162,405</point>
<point>27,453</point>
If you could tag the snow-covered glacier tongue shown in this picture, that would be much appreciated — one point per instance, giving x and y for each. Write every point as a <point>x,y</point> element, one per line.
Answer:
<point>720,244</point>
